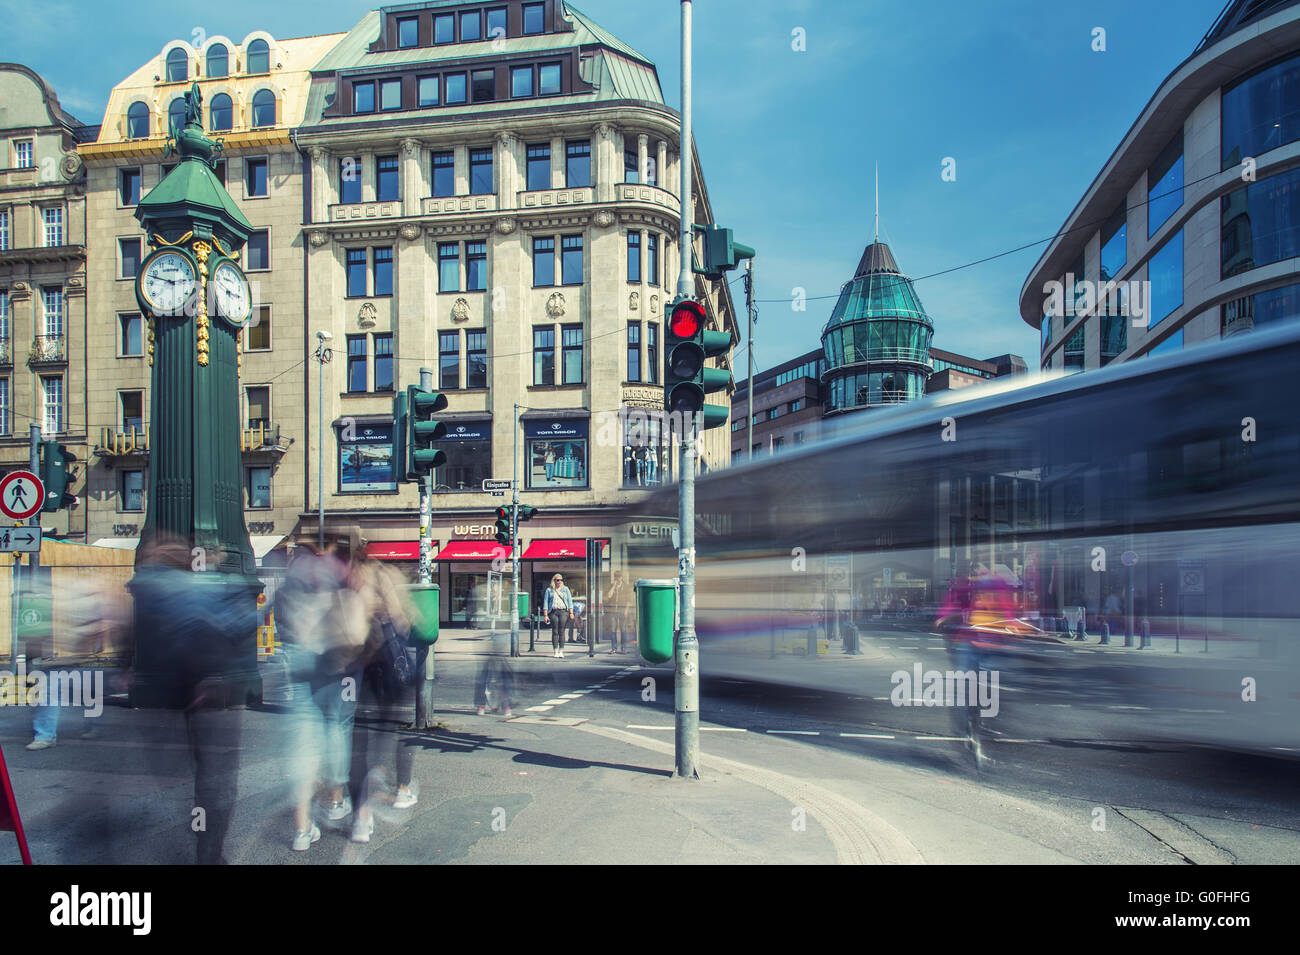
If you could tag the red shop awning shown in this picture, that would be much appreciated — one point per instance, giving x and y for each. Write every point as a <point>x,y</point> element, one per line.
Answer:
<point>556,550</point>
<point>473,550</point>
<point>395,550</point>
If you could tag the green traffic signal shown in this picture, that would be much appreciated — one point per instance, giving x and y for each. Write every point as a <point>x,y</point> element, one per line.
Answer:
<point>400,426</point>
<point>57,474</point>
<point>526,513</point>
<point>422,431</point>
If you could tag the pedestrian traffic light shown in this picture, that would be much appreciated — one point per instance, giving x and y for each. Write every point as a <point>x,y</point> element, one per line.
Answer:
<point>526,513</point>
<point>722,252</point>
<point>57,474</point>
<point>503,526</point>
<point>399,436</point>
<point>422,431</point>
<point>687,380</point>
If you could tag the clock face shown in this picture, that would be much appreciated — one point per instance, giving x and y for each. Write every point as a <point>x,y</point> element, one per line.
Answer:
<point>230,289</point>
<point>167,283</point>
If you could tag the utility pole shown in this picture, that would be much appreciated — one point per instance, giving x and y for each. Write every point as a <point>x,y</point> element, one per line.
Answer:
<point>686,679</point>
<point>424,655</point>
<point>323,354</point>
<point>514,539</point>
<point>749,390</point>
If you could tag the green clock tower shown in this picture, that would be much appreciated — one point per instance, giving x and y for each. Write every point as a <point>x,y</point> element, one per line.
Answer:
<point>195,300</point>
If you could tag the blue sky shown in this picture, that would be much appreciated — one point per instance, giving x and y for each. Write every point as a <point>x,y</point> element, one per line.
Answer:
<point>1010,89</point>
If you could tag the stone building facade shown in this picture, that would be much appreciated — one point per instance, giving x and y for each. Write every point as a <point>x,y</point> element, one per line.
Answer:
<point>254,92</point>
<point>43,314</point>
<point>493,196</point>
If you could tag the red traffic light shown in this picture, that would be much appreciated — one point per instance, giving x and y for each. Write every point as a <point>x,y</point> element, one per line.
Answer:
<point>686,319</point>
<point>503,513</point>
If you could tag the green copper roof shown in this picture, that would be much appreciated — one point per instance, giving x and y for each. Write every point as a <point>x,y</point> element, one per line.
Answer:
<point>616,70</point>
<point>191,191</point>
<point>878,290</point>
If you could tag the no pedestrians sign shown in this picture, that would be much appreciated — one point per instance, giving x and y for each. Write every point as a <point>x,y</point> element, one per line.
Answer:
<point>21,495</point>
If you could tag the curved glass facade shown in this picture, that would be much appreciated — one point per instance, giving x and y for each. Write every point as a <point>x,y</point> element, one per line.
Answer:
<point>1262,111</point>
<point>877,342</point>
<point>1260,223</point>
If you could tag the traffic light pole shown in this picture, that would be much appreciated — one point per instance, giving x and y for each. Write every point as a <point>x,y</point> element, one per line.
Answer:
<point>424,655</point>
<point>514,541</point>
<point>686,678</point>
<point>34,558</point>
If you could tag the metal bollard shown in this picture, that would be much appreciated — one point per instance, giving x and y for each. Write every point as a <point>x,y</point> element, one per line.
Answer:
<point>1146,634</point>
<point>1105,633</point>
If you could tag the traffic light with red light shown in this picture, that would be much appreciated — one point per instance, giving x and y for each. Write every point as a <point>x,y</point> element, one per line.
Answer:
<point>687,381</point>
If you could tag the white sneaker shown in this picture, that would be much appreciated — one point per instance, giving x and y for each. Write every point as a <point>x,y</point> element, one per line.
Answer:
<point>40,744</point>
<point>362,833</point>
<point>405,800</point>
<point>340,810</point>
<point>303,838</point>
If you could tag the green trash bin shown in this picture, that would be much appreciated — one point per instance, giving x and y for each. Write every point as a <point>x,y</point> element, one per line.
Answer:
<point>656,618</point>
<point>425,599</point>
<point>523,605</point>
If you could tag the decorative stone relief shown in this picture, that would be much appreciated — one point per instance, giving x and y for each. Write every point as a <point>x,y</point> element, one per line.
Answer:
<point>654,303</point>
<point>70,165</point>
<point>506,225</point>
<point>604,218</point>
<point>634,301</point>
<point>555,305</point>
<point>20,290</point>
<point>318,155</point>
<point>410,231</point>
<point>460,310</point>
<point>318,238</point>
<point>367,315</point>
<point>410,147</point>
<point>604,130</point>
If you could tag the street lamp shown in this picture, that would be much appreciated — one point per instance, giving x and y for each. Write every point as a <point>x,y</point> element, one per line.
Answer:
<point>322,355</point>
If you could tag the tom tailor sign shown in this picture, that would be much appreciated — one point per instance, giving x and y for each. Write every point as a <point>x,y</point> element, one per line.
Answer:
<point>366,458</point>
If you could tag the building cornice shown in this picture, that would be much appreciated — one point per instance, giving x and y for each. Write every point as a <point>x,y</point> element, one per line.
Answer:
<point>151,150</point>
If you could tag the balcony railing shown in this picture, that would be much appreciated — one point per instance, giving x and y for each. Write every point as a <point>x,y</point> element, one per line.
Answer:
<point>48,348</point>
<point>432,205</point>
<point>114,442</point>
<point>919,356</point>
<point>260,437</point>
<point>358,211</point>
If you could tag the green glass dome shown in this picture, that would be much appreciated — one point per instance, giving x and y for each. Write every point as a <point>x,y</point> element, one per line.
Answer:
<point>878,317</point>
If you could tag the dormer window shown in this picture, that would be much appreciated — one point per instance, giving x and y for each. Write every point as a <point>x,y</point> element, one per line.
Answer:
<point>259,57</point>
<point>534,18</point>
<point>178,66</point>
<point>471,26</point>
<point>483,85</point>
<point>363,98</point>
<point>548,80</point>
<point>444,28</point>
<point>408,32</point>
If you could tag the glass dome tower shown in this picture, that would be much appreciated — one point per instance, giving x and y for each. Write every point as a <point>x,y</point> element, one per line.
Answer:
<point>877,342</point>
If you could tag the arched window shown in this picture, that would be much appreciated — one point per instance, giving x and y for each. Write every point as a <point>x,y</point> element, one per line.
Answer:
<point>176,114</point>
<point>263,108</point>
<point>178,65</point>
<point>221,113</point>
<point>218,61</point>
<point>137,121</point>
<point>259,57</point>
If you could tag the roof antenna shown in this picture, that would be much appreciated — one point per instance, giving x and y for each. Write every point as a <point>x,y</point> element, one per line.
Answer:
<point>877,239</point>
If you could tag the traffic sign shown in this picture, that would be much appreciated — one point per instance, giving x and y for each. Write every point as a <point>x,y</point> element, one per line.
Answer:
<point>1128,558</point>
<point>21,495</point>
<point>490,484</point>
<point>25,540</point>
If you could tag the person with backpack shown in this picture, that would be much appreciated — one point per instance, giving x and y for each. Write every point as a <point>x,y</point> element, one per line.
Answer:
<point>387,687</point>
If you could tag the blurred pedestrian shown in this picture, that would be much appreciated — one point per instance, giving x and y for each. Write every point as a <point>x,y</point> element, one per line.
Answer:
<point>495,688</point>
<point>557,602</point>
<point>323,625</point>
<point>617,601</point>
<point>387,689</point>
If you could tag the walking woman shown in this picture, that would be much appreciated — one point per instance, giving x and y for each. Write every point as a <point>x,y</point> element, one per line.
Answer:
<point>557,603</point>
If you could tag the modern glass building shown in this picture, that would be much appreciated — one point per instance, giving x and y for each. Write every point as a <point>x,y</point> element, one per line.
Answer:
<point>877,342</point>
<point>1191,231</point>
